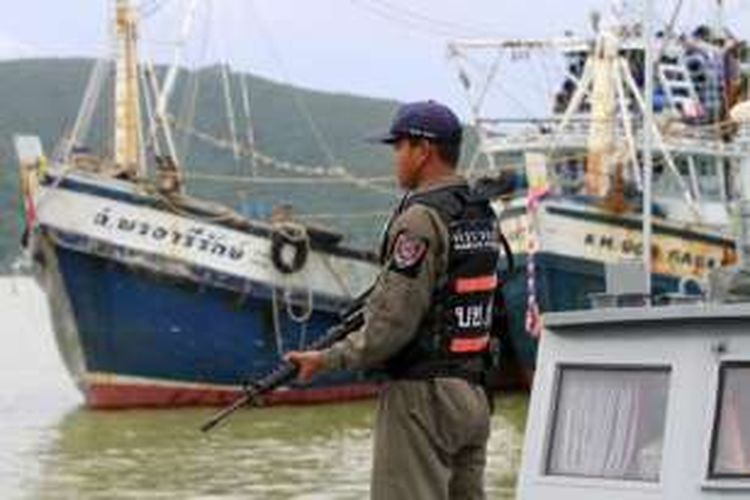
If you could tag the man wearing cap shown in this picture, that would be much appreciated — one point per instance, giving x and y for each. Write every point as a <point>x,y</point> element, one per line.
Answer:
<point>427,320</point>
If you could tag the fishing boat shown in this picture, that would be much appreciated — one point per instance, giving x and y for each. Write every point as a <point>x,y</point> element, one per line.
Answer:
<point>159,298</point>
<point>568,181</point>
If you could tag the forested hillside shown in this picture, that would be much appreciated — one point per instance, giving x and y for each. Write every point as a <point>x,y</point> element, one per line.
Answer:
<point>41,97</point>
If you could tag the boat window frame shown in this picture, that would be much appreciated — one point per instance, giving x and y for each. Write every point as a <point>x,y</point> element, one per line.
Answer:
<point>549,434</point>
<point>708,167</point>
<point>711,476</point>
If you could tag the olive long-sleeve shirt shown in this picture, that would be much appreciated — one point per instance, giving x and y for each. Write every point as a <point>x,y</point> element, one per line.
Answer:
<point>416,256</point>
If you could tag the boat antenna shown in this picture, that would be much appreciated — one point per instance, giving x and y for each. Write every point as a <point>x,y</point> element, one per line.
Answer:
<point>720,24</point>
<point>596,19</point>
<point>648,129</point>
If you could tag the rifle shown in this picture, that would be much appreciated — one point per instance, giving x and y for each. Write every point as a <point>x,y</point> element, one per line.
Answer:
<point>353,319</point>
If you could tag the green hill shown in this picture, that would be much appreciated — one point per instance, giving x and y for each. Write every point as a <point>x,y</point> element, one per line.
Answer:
<point>42,97</point>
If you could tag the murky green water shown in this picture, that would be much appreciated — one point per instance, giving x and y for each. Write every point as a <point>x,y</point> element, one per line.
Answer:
<point>52,448</point>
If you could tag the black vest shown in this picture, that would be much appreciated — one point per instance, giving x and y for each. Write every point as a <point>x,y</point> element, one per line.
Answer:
<point>454,337</point>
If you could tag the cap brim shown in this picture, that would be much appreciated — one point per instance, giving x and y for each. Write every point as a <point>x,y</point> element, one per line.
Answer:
<point>386,138</point>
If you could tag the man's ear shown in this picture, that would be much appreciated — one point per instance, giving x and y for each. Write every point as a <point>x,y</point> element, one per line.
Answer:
<point>425,150</point>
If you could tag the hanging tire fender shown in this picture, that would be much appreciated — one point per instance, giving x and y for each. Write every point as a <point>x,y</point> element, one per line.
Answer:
<point>289,250</point>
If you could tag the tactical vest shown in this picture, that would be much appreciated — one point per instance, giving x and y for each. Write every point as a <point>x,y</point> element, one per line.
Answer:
<point>454,337</point>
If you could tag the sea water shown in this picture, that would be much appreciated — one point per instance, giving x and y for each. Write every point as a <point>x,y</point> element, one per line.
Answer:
<point>51,447</point>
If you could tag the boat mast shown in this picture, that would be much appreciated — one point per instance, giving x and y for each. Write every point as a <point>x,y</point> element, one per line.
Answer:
<point>648,130</point>
<point>128,155</point>
<point>601,140</point>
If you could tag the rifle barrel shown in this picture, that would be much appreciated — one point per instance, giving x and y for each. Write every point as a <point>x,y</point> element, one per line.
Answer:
<point>224,413</point>
<point>285,371</point>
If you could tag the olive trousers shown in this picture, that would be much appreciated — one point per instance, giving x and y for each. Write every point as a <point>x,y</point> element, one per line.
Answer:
<point>430,441</point>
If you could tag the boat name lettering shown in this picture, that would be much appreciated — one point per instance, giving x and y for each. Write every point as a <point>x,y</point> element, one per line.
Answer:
<point>125,225</point>
<point>628,246</point>
<point>195,237</point>
<point>102,218</point>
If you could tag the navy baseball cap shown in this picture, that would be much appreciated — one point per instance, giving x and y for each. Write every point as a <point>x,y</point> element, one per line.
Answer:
<point>423,120</point>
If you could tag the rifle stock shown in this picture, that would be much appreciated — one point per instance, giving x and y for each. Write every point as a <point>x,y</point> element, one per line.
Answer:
<point>286,371</point>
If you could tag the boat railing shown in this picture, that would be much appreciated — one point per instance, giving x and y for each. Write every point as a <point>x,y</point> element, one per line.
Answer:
<point>547,134</point>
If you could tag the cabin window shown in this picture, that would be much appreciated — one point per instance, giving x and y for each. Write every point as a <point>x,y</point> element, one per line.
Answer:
<point>708,177</point>
<point>609,422</point>
<point>730,451</point>
<point>674,75</point>
<point>665,182</point>
<point>681,92</point>
<point>569,175</point>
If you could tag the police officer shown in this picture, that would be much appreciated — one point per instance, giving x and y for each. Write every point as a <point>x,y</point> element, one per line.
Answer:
<point>427,320</point>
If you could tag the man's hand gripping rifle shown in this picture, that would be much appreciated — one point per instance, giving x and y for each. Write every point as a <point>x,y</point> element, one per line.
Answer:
<point>353,319</point>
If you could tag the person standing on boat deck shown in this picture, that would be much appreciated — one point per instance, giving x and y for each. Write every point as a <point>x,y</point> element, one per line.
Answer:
<point>427,320</point>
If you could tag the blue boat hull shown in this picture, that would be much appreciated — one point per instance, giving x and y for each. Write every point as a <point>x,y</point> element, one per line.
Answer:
<point>182,302</point>
<point>153,339</point>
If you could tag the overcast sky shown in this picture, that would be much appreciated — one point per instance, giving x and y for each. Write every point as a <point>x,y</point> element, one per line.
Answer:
<point>382,48</point>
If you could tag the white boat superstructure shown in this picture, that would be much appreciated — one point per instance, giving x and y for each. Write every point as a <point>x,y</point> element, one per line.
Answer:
<point>641,403</point>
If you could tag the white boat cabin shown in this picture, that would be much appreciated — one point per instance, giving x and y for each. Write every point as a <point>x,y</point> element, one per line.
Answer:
<point>641,403</point>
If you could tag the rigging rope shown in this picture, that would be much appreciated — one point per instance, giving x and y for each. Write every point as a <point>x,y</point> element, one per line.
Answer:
<point>152,7</point>
<point>229,110</point>
<point>264,160</point>
<point>234,179</point>
<point>358,215</point>
<point>295,93</point>
<point>403,15</point>
<point>249,130</point>
<point>190,95</point>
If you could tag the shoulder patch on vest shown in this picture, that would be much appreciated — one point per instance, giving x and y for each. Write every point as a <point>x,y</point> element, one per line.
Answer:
<point>408,253</point>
